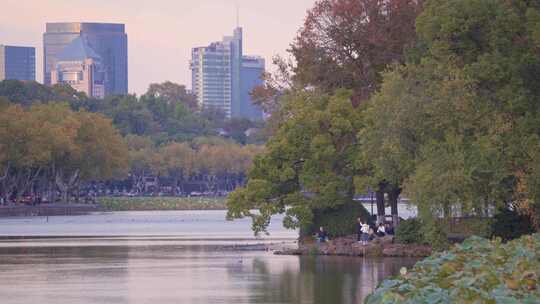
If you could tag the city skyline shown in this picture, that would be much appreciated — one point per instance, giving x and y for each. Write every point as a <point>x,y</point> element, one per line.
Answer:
<point>161,36</point>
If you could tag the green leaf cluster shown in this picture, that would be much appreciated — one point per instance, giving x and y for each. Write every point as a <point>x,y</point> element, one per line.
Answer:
<point>308,166</point>
<point>476,271</point>
<point>458,127</point>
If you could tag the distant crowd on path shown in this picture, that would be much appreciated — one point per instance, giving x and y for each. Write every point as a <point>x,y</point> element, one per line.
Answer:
<point>365,233</point>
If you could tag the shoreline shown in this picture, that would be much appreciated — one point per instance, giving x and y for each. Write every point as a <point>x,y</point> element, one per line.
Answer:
<point>114,204</point>
<point>348,246</point>
<point>7,211</point>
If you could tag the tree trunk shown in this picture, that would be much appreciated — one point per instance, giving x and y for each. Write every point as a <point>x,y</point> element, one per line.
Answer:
<point>393,195</point>
<point>65,186</point>
<point>379,195</point>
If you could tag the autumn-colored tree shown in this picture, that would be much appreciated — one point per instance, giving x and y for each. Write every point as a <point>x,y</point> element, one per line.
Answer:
<point>179,161</point>
<point>144,160</point>
<point>348,43</point>
<point>58,146</point>
<point>23,149</point>
<point>83,146</point>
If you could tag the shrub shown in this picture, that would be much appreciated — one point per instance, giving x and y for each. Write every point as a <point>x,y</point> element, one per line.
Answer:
<point>409,231</point>
<point>509,224</point>
<point>476,271</point>
<point>434,235</point>
<point>338,221</point>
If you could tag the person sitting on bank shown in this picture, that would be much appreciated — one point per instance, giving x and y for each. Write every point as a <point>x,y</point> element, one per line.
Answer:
<point>371,234</point>
<point>381,231</point>
<point>322,236</point>
<point>388,229</point>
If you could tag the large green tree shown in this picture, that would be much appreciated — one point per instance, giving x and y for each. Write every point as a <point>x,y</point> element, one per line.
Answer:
<point>308,168</point>
<point>459,124</point>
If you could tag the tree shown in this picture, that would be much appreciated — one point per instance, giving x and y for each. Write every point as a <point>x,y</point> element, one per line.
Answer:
<point>457,125</point>
<point>23,150</point>
<point>83,146</point>
<point>308,167</point>
<point>60,147</point>
<point>144,160</point>
<point>172,93</point>
<point>348,43</point>
<point>179,161</point>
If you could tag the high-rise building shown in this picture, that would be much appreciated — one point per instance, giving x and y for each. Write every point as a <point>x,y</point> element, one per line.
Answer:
<point>80,66</point>
<point>17,62</point>
<point>108,40</point>
<point>252,70</point>
<point>222,77</point>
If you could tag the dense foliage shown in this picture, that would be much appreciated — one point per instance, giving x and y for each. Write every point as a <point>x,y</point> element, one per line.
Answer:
<point>311,164</point>
<point>476,271</point>
<point>49,148</point>
<point>213,163</point>
<point>444,96</point>
<point>337,221</point>
<point>457,126</point>
<point>510,224</point>
<point>308,166</point>
<point>348,43</point>
<point>165,136</point>
<point>409,232</point>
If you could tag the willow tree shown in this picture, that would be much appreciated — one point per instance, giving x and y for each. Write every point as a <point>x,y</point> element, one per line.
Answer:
<point>307,171</point>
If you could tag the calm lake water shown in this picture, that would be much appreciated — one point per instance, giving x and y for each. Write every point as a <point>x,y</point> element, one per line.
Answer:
<point>170,257</point>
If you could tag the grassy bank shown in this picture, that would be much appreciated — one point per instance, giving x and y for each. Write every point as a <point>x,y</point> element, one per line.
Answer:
<point>161,203</point>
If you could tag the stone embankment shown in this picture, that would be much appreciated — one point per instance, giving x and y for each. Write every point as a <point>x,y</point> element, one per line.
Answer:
<point>48,209</point>
<point>348,246</point>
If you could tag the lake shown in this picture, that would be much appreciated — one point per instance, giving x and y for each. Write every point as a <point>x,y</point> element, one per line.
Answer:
<point>170,257</point>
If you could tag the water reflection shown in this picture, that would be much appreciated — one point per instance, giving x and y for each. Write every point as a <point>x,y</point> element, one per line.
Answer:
<point>150,273</point>
<point>320,279</point>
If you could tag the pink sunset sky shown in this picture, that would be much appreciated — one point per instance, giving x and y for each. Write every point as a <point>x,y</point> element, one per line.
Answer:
<point>161,33</point>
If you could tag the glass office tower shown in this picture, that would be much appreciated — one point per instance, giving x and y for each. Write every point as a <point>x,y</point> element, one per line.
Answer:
<point>251,77</point>
<point>109,40</point>
<point>17,62</point>
<point>222,76</point>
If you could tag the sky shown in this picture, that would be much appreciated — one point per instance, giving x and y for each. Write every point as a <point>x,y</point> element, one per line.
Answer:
<point>160,33</point>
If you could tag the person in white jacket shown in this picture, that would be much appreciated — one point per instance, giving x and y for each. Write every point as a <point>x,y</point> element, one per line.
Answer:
<point>365,234</point>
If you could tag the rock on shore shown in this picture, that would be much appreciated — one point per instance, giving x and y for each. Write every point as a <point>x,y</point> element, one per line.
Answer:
<point>348,246</point>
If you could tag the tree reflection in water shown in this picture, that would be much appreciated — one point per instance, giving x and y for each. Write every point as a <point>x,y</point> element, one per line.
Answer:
<point>317,280</point>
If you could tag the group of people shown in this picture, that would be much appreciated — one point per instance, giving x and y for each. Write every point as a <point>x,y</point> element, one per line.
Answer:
<point>364,231</point>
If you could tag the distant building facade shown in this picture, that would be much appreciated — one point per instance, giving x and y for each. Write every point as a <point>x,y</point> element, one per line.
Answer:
<point>222,77</point>
<point>17,62</point>
<point>81,67</point>
<point>252,70</point>
<point>108,40</point>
